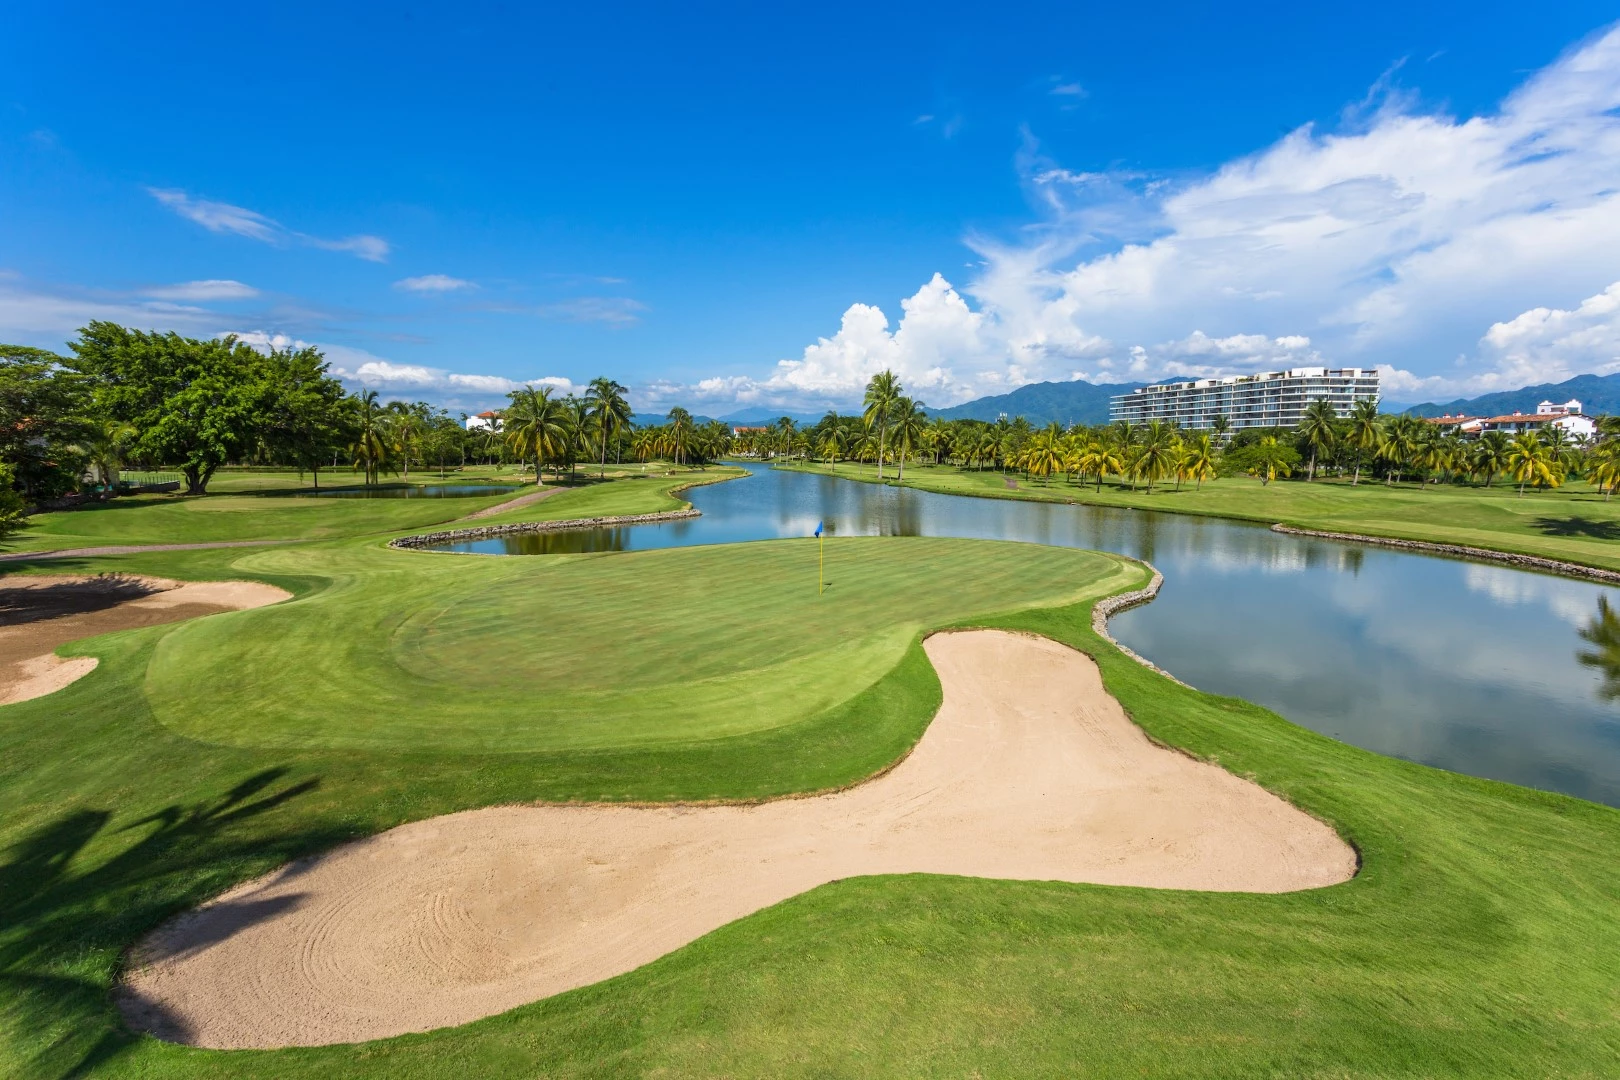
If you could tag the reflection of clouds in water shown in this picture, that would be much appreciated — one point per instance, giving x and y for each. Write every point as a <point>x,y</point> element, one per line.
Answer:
<point>1246,560</point>
<point>1571,601</point>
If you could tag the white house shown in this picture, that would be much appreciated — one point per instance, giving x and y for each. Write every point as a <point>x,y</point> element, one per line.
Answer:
<point>484,421</point>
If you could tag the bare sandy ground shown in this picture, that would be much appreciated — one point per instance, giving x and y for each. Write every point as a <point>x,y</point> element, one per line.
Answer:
<point>515,504</point>
<point>1030,770</point>
<point>37,614</point>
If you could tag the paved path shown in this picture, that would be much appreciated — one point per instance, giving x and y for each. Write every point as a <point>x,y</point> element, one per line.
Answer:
<point>515,504</point>
<point>135,549</point>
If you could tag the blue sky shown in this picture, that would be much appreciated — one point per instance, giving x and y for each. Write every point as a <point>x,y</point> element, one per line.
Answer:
<point>729,208</point>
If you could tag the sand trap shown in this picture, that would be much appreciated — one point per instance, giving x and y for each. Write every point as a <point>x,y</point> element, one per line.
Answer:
<point>38,614</point>
<point>1030,770</point>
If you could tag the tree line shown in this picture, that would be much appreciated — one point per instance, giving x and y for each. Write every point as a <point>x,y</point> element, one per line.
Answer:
<point>895,430</point>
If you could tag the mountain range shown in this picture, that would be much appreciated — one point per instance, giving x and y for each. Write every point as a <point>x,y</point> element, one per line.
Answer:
<point>1077,402</point>
<point>1598,395</point>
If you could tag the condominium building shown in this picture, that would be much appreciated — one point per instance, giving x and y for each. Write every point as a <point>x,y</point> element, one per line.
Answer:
<point>1269,399</point>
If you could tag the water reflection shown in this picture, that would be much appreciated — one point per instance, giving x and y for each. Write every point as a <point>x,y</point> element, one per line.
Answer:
<point>1467,666</point>
<point>1604,632</point>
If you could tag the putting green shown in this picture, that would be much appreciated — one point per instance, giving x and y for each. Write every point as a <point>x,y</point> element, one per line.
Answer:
<point>412,651</point>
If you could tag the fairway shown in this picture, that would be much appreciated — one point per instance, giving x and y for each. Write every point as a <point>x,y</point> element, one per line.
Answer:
<point>470,654</point>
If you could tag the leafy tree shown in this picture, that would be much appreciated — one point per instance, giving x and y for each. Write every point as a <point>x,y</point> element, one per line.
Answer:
<point>43,415</point>
<point>195,403</point>
<point>304,417</point>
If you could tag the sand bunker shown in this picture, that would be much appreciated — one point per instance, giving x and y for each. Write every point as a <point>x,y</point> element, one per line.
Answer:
<point>1030,770</point>
<point>37,614</point>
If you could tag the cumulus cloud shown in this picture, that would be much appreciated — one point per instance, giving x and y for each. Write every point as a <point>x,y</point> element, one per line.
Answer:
<point>212,289</point>
<point>1449,252</point>
<point>222,217</point>
<point>433,283</point>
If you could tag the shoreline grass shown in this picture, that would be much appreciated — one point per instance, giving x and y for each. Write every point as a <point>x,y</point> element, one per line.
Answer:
<point>1571,524</point>
<point>1479,938</point>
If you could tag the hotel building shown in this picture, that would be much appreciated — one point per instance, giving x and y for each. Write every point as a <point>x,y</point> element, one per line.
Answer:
<point>1269,399</point>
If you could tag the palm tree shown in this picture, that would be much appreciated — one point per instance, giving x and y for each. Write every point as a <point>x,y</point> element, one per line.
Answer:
<point>1604,464</point>
<point>534,427</point>
<point>1200,461</point>
<point>106,450</point>
<point>1044,453</point>
<point>881,394</point>
<point>370,447</point>
<point>404,431</point>
<point>908,422</point>
<point>1270,460</point>
<point>1530,461</point>
<point>1365,433</point>
<point>1320,427</point>
<point>609,410</point>
<point>1157,458</point>
<point>1489,456</point>
<point>1397,446</point>
<point>1222,427</point>
<point>832,445</point>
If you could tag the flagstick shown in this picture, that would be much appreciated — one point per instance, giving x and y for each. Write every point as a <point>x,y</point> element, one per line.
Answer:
<point>821,565</point>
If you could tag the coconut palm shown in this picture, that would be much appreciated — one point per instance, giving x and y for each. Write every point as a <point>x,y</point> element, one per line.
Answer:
<point>832,445</point>
<point>1397,446</point>
<point>907,423</point>
<point>1489,456</point>
<point>1043,455</point>
<point>370,447</point>
<point>1200,460</point>
<point>1364,433</point>
<point>1603,466</point>
<point>1320,426</point>
<point>534,427</point>
<point>1222,427</point>
<point>609,410</point>
<point>1530,461</point>
<point>108,443</point>
<point>1270,460</point>
<point>881,393</point>
<point>1156,457</point>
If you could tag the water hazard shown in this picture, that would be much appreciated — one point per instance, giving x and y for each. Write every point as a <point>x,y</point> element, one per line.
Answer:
<point>1466,666</point>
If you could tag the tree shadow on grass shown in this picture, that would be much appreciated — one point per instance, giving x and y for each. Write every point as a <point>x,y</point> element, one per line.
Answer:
<point>1579,526</point>
<point>66,913</point>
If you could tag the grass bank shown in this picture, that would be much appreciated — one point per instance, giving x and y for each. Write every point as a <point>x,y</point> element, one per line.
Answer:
<point>274,506</point>
<point>1574,523</point>
<point>1479,939</point>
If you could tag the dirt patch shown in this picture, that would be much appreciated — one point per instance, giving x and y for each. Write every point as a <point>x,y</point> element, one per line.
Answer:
<point>515,504</point>
<point>1031,770</point>
<point>39,614</point>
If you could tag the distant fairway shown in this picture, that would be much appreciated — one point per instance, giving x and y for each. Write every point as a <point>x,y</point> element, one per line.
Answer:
<point>463,653</point>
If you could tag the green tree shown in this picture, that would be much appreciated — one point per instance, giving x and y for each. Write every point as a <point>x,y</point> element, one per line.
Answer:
<point>908,422</point>
<point>1530,461</point>
<point>369,451</point>
<point>304,416</point>
<point>534,427</point>
<point>1319,426</point>
<point>1200,460</point>
<point>44,412</point>
<point>1364,434</point>
<point>610,411</point>
<point>1270,459</point>
<point>882,390</point>
<point>195,403</point>
<point>1156,456</point>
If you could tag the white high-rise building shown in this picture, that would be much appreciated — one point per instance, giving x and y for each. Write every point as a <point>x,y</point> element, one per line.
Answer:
<point>1269,399</point>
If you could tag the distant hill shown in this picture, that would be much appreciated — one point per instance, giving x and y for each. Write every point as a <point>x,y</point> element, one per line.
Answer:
<point>1077,402</point>
<point>1598,394</point>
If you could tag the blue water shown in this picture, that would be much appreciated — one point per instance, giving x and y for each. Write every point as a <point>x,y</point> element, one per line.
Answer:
<point>1465,666</point>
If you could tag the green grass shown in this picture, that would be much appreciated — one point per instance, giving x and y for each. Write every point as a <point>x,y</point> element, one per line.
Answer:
<point>1573,523</point>
<point>271,506</point>
<point>463,653</point>
<point>1480,938</point>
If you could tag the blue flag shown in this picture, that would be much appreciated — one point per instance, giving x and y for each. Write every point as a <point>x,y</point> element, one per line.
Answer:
<point>818,528</point>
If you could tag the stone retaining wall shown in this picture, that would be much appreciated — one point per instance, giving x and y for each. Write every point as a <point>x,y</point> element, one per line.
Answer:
<point>1462,551</point>
<point>483,532</point>
<point>1112,605</point>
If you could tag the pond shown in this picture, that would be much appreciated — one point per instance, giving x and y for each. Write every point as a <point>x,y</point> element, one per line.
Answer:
<point>1467,666</point>
<point>415,491</point>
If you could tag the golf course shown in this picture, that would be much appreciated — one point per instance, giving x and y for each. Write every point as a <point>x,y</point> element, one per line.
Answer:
<point>1471,933</point>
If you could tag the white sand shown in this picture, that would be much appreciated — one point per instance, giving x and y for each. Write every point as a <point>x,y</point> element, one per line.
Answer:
<point>1031,770</point>
<point>44,612</point>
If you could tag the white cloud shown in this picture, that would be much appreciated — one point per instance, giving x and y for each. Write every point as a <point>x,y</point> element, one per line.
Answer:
<point>613,310</point>
<point>433,283</point>
<point>1449,252</point>
<point>221,217</point>
<point>212,289</point>
<point>217,216</point>
<point>370,248</point>
<point>48,317</point>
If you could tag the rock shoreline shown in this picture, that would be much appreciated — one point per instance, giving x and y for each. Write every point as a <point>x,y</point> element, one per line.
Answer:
<point>1463,551</point>
<point>1109,606</point>
<point>483,532</point>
